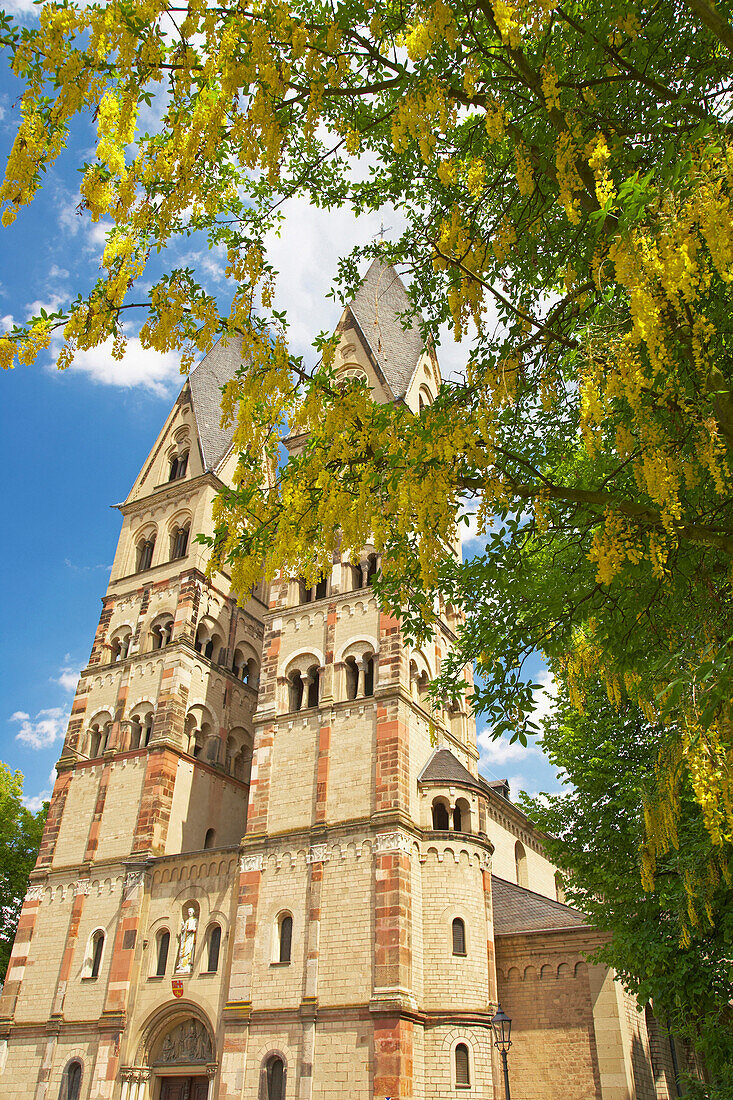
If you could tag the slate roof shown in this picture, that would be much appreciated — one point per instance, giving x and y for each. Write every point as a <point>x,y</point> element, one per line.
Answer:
<point>517,909</point>
<point>206,381</point>
<point>375,308</point>
<point>444,767</point>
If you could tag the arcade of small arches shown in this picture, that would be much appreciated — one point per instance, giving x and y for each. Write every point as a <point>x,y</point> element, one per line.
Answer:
<point>209,642</point>
<point>356,676</point>
<point>354,576</point>
<point>145,557</point>
<point>232,753</point>
<point>451,818</point>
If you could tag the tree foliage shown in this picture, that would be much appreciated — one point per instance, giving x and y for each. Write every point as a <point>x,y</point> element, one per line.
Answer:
<point>672,946</point>
<point>564,178</point>
<point>20,837</point>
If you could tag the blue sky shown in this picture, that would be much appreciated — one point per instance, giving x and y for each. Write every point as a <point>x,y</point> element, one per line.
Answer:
<point>73,442</point>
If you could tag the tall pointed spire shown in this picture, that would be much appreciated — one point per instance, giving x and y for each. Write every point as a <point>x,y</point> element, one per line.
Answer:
<point>376,308</point>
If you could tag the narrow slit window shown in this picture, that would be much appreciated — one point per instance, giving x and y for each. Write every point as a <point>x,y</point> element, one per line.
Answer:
<point>286,939</point>
<point>459,937</point>
<point>463,1079</point>
<point>214,947</point>
<point>164,942</point>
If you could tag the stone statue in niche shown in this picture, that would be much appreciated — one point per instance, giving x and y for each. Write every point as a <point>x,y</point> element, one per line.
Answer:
<point>186,943</point>
<point>186,1043</point>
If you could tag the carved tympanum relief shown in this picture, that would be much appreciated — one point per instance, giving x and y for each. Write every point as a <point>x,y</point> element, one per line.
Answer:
<point>187,1043</point>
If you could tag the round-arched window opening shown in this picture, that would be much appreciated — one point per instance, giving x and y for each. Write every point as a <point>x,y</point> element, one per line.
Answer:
<point>463,1071</point>
<point>458,934</point>
<point>274,1073</point>
<point>440,816</point>
<point>164,942</point>
<point>520,862</point>
<point>285,938</point>
<point>213,948</point>
<point>71,1081</point>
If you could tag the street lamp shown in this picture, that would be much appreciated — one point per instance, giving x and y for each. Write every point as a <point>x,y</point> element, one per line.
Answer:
<point>501,1025</point>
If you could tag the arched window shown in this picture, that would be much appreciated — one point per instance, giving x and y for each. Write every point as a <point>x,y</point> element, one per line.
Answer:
<point>164,942</point>
<point>141,725</point>
<point>372,568</point>
<point>321,588</point>
<point>210,838</point>
<point>458,930</point>
<point>369,676</point>
<point>95,742</point>
<point>295,691</point>
<point>251,673</point>
<point>440,816</point>
<point>463,1076</point>
<point>145,553</point>
<point>161,633</point>
<point>119,644</point>
<point>179,464</point>
<point>274,1079</point>
<point>95,950</point>
<point>214,944</point>
<point>179,542</point>
<point>457,819</point>
<point>352,677</point>
<point>358,577</point>
<point>312,684</point>
<point>285,937</point>
<point>71,1082</point>
<point>520,860</point>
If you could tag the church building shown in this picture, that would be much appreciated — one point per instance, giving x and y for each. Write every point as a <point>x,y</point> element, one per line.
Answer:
<point>271,868</point>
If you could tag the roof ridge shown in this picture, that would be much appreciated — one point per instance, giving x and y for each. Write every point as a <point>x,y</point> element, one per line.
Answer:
<point>377,305</point>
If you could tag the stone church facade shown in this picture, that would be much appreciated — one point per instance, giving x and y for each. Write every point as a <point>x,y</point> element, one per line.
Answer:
<point>270,871</point>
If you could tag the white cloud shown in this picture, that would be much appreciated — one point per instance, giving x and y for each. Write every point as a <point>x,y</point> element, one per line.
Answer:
<point>68,677</point>
<point>52,303</point>
<point>545,697</point>
<point>34,803</point>
<point>306,256</point>
<point>47,727</point>
<point>156,371</point>
<point>7,322</point>
<point>70,217</point>
<point>20,7</point>
<point>502,751</point>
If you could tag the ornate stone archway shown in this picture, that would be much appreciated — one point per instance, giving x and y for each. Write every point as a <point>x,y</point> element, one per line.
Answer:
<point>176,1044</point>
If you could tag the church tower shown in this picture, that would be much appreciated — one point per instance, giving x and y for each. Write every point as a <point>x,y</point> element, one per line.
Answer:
<point>271,869</point>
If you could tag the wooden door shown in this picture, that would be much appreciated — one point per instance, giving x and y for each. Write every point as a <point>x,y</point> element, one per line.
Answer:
<point>199,1088</point>
<point>184,1088</point>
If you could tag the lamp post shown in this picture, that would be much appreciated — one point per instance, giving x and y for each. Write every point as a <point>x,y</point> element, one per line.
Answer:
<point>501,1025</point>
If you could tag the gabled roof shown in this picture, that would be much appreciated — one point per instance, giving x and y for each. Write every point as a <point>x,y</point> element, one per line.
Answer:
<point>444,767</point>
<point>206,382</point>
<point>375,308</point>
<point>517,909</point>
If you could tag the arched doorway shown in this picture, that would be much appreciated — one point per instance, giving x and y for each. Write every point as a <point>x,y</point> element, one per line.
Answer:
<point>180,1059</point>
<point>175,1058</point>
